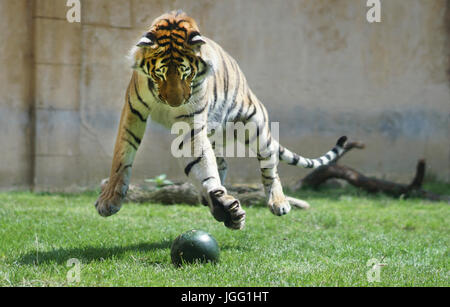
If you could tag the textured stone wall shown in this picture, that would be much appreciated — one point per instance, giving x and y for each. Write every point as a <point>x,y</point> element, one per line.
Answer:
<point>58,56</point>
<point>16,50</point>
<point>320,68</point>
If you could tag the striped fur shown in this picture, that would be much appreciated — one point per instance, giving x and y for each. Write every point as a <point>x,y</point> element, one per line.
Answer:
<point>181,76</point>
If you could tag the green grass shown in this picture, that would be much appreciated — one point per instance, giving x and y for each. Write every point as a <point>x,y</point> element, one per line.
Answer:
<point>328,245</point>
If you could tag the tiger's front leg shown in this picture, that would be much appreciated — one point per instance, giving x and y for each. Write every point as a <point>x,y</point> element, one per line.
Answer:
<point>202,170</point>
<point>131,130</point>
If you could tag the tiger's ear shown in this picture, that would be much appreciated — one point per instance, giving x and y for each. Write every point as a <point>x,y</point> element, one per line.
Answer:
<point>147,40</point>
<point>195,39</point>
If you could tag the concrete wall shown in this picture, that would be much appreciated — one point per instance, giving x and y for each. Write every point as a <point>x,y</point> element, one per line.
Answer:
<point>320,68</point>
<point>16,53</point>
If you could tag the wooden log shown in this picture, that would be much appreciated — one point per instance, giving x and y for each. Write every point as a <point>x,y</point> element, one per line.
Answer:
<point>371,185</point>
<point>185,193</point>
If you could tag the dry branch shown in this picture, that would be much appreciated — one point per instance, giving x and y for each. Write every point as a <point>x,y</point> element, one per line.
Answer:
<point>372,185</point>
<point>185,193</point>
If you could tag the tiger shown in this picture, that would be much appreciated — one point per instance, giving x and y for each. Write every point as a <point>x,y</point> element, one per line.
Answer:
<point>182,76</point>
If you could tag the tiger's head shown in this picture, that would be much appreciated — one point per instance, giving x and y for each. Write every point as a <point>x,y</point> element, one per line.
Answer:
<point>169,54</point>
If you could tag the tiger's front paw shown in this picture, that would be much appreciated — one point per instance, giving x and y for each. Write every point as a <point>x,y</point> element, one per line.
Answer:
<point>225,208</point>
<point>110,200</point>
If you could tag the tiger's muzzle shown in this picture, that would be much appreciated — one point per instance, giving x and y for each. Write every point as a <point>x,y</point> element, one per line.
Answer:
<point>174,90</point>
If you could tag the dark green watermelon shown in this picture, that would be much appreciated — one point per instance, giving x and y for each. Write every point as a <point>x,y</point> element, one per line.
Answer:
<point>194,246</point>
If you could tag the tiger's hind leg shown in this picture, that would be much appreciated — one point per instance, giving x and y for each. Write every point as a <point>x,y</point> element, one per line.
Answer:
<point>260,140</point>
<point>275,198</point>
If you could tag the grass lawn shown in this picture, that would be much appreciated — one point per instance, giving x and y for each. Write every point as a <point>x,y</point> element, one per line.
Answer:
<point>328,245</point>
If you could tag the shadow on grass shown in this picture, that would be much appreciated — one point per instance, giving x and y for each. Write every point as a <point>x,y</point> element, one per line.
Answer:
<point>89,253</point>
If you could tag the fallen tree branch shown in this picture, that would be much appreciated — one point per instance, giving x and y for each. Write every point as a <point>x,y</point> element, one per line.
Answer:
<point>322,174</point>
<point>371,185</point>
<point>185,193</point>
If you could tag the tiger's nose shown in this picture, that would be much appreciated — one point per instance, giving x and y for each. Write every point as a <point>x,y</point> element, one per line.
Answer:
<point>174,98</point>
<point>175,101</point>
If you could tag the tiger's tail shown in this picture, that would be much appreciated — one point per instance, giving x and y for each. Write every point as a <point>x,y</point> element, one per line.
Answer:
<point>294,159</point>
